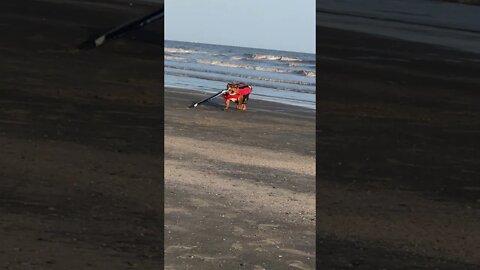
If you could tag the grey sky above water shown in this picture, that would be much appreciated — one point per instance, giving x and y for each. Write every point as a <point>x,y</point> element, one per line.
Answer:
<point>287,25</point>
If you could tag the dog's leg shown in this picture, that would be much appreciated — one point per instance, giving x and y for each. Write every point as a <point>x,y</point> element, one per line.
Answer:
<point>240,103</point>
<point>244,103</point>
<point>227,104</point>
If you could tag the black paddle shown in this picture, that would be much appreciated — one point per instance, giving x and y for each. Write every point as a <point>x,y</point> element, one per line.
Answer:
<point>194,105</point>
<point>122,29</point>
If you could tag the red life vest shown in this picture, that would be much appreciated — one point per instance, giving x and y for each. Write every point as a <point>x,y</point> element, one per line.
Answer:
<point>243,89</point>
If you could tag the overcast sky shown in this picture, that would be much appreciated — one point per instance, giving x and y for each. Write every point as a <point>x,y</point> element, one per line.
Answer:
<point>287,25</point>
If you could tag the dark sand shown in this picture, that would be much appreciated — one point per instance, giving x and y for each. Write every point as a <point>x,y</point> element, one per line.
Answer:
<point>397,147</point>
<point>239,186</point>
<point>81,139</point>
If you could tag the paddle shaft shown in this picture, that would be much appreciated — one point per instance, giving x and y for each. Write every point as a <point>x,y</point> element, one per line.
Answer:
<point>132,25</point>
<point>207,99</point>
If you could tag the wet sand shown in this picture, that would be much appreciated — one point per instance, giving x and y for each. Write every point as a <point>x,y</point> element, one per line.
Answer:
<point>81,138</point>
<point>397,140</point>
<point>239,186</point>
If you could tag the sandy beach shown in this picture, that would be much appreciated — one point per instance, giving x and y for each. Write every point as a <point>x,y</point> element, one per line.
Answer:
<point>81,138</point>
<point>239,186</point>
<point>397,148</point>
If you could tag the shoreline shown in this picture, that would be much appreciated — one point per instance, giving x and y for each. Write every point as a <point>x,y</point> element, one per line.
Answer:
<point>261,101</point>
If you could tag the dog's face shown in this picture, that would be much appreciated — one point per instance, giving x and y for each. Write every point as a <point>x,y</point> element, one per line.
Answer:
<point>233,90</point>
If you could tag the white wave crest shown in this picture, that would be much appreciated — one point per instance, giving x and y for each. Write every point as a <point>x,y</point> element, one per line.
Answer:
<point>266,69</point>
<point>276,70</point>
<point>310,73</point>
<point>169,57</point>
<point>179,50</point>
<point>290,59</point>
<point>236,58</point>
<point>306,73</point>
<point>232,65</point>
<point>223,64</point>
<point>275,57</point>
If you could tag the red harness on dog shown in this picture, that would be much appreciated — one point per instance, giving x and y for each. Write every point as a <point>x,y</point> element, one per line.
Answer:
<point>243,89</point>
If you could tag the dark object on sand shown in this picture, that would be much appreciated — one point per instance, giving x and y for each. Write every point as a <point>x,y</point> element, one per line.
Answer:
<point>122,29</point>
<point>194,105</point>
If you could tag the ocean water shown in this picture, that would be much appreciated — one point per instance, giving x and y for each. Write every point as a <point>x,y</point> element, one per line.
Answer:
<point>278,76</point>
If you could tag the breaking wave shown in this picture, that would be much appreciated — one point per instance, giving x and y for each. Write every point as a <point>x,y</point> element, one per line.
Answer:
<point>221,79</point>
<point>179,50</point>
<point>292,61</point>
<point>169,57</point>
<point>266,69</point>
<point>309,73</point>
<point>274,57</point>
<point>246,76</point>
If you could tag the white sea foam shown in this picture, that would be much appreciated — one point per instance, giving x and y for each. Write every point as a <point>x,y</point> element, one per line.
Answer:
<point>179,50</point>
<point>275,57</point>
<point>236,58</point>
<point>306,73</point>
<point>247,76</point>
<point>223,64</point>
<point>266,69</point>
<point>212,77</point>
<point>169,57</point>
